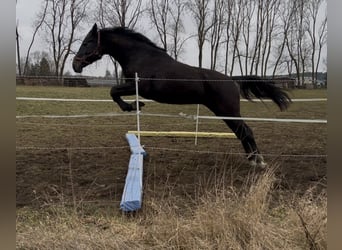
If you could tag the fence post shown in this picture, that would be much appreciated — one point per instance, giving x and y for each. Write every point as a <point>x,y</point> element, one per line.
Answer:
<point>137,103</point>
<point>196,135</point>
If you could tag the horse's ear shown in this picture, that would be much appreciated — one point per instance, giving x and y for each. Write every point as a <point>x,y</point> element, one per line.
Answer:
<point>94,29</point>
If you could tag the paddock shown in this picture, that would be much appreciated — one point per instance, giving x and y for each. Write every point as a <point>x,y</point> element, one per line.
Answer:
<point>76,152</point>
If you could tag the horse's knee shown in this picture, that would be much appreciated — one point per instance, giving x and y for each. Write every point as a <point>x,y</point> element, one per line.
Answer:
<point>115,96</point>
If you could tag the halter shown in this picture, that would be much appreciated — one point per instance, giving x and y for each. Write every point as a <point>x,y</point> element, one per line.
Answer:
<point>97,51</point>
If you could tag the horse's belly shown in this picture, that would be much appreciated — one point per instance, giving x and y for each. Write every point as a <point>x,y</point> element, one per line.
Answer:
<point>176,95</point>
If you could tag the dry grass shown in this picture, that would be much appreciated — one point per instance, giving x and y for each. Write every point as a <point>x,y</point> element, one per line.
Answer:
<point>69,199</point>
<point>220,217</point>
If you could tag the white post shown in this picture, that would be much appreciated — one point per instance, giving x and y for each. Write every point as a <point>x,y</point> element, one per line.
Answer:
<point>137,103</point>
<point>197,124</point>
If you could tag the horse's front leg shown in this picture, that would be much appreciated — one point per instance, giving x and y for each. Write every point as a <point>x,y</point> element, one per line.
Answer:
<point>124,90</point>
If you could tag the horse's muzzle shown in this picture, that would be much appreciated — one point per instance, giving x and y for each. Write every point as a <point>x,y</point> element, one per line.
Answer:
<point>77,65</point>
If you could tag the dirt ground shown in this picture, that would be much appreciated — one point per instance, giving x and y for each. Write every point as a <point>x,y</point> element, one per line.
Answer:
<point>85,160</point>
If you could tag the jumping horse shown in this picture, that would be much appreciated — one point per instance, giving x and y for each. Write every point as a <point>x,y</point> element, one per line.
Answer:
<point>160,80</point>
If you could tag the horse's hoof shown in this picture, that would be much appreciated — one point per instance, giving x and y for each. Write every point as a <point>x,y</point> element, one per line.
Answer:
<point>257,160</point>
<point>134,105</point>
<point>127,108</point>
<point>262,164</point>
<point>253,164</point>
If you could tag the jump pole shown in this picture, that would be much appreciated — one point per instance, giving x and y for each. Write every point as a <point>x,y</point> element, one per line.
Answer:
<point>132,195</point>
<point>183,134</point>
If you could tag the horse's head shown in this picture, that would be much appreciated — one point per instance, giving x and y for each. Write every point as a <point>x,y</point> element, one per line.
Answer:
<point>89,52</point>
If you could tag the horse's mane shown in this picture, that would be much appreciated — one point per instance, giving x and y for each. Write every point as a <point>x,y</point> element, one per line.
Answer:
<point>133,35</point>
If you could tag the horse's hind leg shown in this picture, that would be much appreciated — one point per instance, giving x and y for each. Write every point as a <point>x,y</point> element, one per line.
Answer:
<point>245,135</point>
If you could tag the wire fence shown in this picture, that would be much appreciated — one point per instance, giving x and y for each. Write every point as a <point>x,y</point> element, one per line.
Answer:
<point>148,147</point>
<point>50,154</point>
<point>123,79</point>
<point>168,149</point>
<point>287,82</point>
<point>180,115</point>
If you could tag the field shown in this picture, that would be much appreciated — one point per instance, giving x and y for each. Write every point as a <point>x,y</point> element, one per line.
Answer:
<point>71,173</point>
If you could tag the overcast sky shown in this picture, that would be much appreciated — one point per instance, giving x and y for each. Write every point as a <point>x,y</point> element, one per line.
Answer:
<point>26,11</point>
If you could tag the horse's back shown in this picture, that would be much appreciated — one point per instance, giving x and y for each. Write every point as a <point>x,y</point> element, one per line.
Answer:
<point>179,83</point>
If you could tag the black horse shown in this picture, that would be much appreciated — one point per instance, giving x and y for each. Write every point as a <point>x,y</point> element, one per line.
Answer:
<point>218,92</point>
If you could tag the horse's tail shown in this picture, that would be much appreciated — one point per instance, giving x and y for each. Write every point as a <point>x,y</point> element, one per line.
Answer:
<point>261,88</point>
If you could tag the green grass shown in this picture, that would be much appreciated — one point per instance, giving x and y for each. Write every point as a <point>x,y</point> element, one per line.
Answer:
<point>103,92</point>
<point>308,93</point>
<point>308,110</point>
<point>63,92</point>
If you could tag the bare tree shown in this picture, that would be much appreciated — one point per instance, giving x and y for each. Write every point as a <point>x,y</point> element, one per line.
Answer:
<point>17,45</point>
<point>253,32</point>
<point>286,12</point>
<point>216,31</point>
<point>177,29</point>
<point>311,25</point>
<point>201,14</point>
<point>159,14</point>
<point>264,35</point>
<point>296,40</point>
<point>272,14</point>
<point>123,13</point>
<point>322,39</point>
<point>228,21</point>
<point>248,13</point>
<point>166,17</point>
<point>261,18</point>
<point>291,50</point>
<point>37,26</point>
<point>302,45</point>
<point>63,17</point>
<point>235,30</point>
<point>18,49</point>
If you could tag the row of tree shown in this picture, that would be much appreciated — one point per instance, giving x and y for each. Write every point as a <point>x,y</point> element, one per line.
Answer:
<point>262,37</point>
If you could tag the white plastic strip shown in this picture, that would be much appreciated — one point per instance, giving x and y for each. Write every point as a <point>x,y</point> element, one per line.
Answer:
<point>148,100</point>
<point>262,119</point>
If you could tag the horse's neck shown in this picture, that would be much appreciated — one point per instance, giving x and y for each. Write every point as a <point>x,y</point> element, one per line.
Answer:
<point>128,63</point>
<point>130,59</point>
<point>116,52</point>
